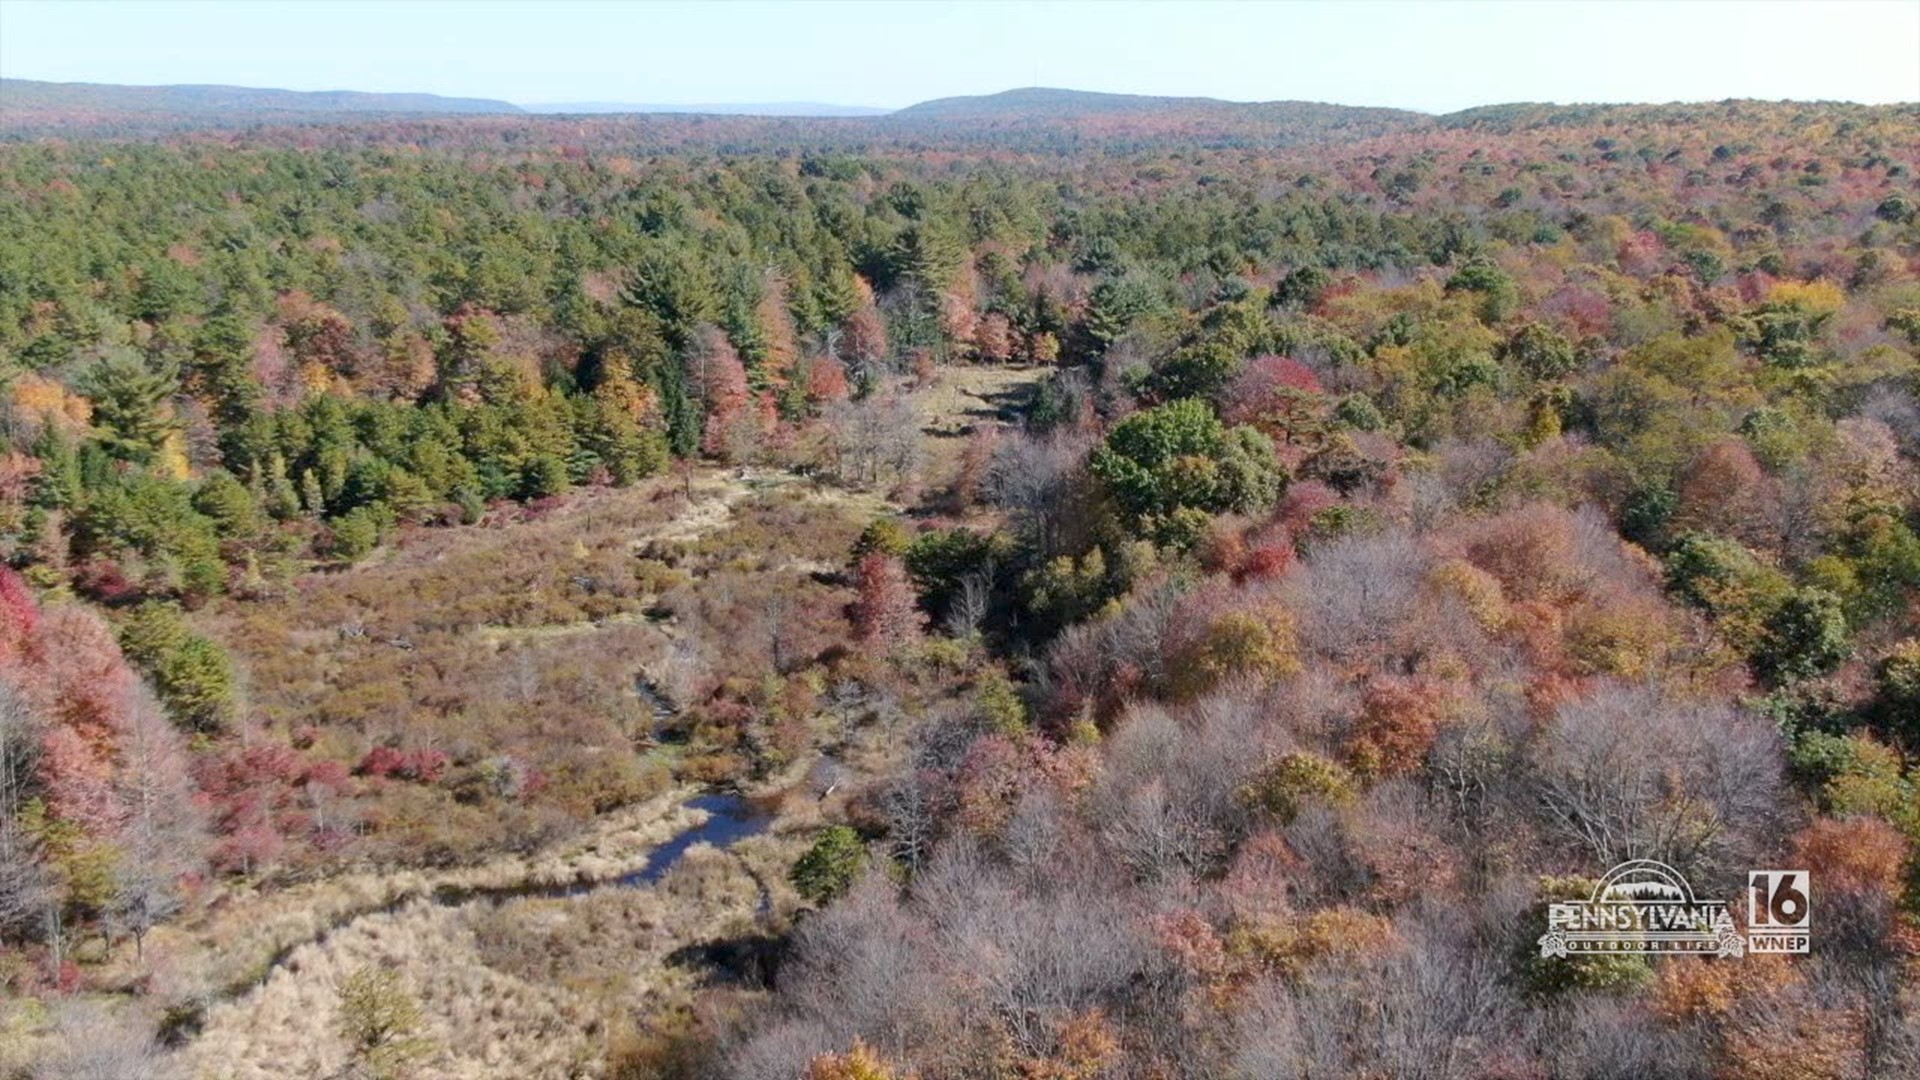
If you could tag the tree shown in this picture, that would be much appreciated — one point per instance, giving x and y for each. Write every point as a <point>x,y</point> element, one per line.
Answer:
<point>164,834</point>
<point>1280,397</point>
<point>357,532</point>
<point>863,341</point>
<point>1170,467</point>
<point>1495,291</point>
<point>1897,679</point>
<point>886,614</point>
<point>191,673</point>
<point>829,867</point>
<point>1805,635</point>
<point>132,405</point>
<point>1630,773</point>
<point>29,889</point>
<point>1725,490</point>
<point>993,339</point>
<point>381,1022</point>
<point>873,440</point>
<point>1540,353</point>
<point>1302,288</point>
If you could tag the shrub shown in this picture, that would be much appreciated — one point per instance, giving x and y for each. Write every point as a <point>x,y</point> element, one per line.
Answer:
<point>1240,644</point>
<point>381,1021</point>
<point>829,867</point>
<point>1294,781</point>
<point>1897,682</point>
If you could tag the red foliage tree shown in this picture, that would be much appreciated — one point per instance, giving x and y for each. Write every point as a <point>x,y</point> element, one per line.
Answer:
<point>1278,395</point>
<point>19,615</point>
<point>863,342</point>
<point>109,764</point>
<point>826,380</point>
<point>1725,490</point>
<point>993,339</point>
<point>887,615</point>
<point>1397,725</point>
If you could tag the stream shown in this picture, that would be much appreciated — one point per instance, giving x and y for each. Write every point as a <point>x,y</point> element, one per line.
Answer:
<point>730,819</point>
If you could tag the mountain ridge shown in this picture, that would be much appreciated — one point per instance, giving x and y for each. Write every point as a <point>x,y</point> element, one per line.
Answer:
<point>203,98</point>
<point>1063,103</point>
<point>757,108</point>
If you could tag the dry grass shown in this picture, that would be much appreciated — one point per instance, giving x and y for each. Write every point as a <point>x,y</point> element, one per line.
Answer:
<point>526,988</point>
<point>235,938</point>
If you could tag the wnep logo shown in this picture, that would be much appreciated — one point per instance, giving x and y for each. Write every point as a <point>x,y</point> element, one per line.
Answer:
<point>1644,906</point>
<point>1779,911</point>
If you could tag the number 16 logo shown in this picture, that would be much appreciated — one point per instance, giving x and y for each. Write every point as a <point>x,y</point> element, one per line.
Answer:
<point>1779,911</point>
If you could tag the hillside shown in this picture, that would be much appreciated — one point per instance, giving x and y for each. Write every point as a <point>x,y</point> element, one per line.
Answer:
<point>1039,102</point>
<point>1179,588</point>
<point>1106,116</point>
<point>29,105</point>
<point>769,108</point>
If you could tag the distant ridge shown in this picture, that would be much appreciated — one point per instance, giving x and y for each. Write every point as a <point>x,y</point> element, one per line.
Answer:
<point>30,102</point>
<point>1037,119</point>
<point>1056,104</point>
<point>771,108</point>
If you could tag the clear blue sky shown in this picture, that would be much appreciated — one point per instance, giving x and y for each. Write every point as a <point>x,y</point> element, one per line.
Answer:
<point>1433,56</point>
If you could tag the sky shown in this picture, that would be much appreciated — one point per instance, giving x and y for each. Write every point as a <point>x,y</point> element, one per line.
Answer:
<point>1432,56</point>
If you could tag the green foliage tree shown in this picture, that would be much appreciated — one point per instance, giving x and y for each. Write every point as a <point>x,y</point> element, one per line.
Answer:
<point>829,867</point>
<point>381,1022</point>
<point>1167,469</point>
<point>1897,682</point>
<point>132,404</point>
<point>191,673</point>
<point>1539,352</point>
<point>1805,635</point>
<point>1495,292</point>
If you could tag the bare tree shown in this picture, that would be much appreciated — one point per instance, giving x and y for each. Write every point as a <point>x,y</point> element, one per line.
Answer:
<point>19,742</point>
<point>1159,838</point>
<point>1609,1038</point>
<point>874,440</point>
<point>1627,773</point>
<point>861,968</point>
<point>1040,484</point>
<point>1351,596</point>
<point>27,890</point>
<point>1038,960</point>
<point>26,884</point>
<point>165,829</point>
<point>967,611</point>
<point>912,812</point>
<point>93,1042</point>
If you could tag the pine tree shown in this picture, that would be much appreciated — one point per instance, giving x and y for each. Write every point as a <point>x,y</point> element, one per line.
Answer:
<point>132,404</point>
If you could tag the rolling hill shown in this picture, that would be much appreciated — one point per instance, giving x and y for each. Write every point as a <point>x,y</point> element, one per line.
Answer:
<point>30,106</point>
<point>1051,103</point>
<point>768,108</point>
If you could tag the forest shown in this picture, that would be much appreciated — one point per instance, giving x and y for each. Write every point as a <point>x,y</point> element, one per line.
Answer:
<point>1185,588</point>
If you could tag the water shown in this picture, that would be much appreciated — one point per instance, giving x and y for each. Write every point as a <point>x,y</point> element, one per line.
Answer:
<point>730,819</point>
